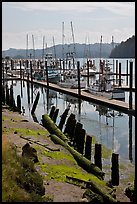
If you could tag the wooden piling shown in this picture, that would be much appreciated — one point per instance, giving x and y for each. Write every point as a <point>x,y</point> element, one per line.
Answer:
<point>119,73</point>
<point>115,170</point>
<point>52,112</point>
<point>11,99</point>
<point>55,115</point>
<point>127,74</point>
<point>78,70</point>
<point>19,103</point>
<point>63,118</point>
<point>88,72</point>
<point>81,141</point>
<point>47,73</point>
<point>31,71</point>
<point>76,133</point>
<point>3,94</point>
<point>20,69</point>
<point>7,94</point>
<point>130,85</point>
<point>88,146</point>
<point>35,103</point>
<point>97,156</point>
<point>69,123</point>
<point>116,71</point>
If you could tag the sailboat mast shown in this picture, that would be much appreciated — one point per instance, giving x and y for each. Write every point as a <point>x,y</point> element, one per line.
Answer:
<point>113,57</point>
<point>33,47</point>
<point>27,46</point>
<point>73,42</point>
<point>54,50</point>
<point>43,48</point>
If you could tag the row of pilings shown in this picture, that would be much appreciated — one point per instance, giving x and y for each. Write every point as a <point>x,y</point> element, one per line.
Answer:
<point>82,142</point>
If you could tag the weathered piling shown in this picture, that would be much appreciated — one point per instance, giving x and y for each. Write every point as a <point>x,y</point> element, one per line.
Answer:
<point>81,141</point>
<point>82,161</point>
<point>97,156</point>
<point>19,103</point>
<point>54,118</point>
<point>35,103</point>
<point>115,170</point>
<point>116,71</point>
<point>3,94</point>
<point>7,94</point>
<point>47,77</point>
<point>63,118</point>
<point>52,112</point>
<point>88,72</point>
<point>88,146</point>
<point>52,127</point>
<point>78,70</point>
<point>69,123</point>
<point>76,133</point>
<point>11,98</point>
<point>119,73</point>
<point>20,69</point>
<point>130,85</point>
<point>127,74</point>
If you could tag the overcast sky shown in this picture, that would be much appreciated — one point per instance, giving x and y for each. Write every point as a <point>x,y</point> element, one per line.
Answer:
<point>89,20</point>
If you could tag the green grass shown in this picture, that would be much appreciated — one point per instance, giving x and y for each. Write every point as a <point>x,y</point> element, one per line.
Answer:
<point>20,181</point>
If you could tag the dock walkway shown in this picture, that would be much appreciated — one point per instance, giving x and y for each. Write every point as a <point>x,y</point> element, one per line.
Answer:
<point>114,104</point>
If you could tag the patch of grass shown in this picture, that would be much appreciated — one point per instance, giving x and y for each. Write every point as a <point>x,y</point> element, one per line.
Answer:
<point>59,155</point>
<point>20,180</point>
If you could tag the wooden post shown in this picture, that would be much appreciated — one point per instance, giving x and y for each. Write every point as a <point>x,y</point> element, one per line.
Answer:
<point>130,138</point>
<point>81,141</point>
<point>3,94</point>
<point>119,73</point>
<point>63,118</point>
<point>88,146</point>
<point>127,74</point>
<point>115,170</point>
<point>69,123</point>
<point>97,156</point>
<point>31,71</point>
<point>88,72</point>
<point>116,71</point>
<point>76,133</point>
<point>78,70</point>
<point>7,94</point>
<point>55,115</point>
<point>47,74</point>
<point>52,112</point>
<point>20,70</point>
<point>19,103</point>
<point>130,85</point>
<point>35,103</point>
<point>11,102</point>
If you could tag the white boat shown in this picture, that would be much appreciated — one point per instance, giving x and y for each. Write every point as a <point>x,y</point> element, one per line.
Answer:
<point>91,71</point>
<point>104,87</point>
<point>71,81</point>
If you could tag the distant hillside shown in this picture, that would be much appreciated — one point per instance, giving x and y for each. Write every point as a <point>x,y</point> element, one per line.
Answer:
<point>82,50</point>
<point>124,49</point>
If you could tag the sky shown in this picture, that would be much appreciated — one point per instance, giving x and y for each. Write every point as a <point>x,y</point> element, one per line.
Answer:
<point>55,23</point>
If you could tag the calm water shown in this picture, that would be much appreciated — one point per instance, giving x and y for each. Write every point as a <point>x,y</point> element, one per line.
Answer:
<point>110,127</point>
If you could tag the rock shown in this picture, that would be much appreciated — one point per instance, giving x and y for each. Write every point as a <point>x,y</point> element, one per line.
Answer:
<point>30,152</point>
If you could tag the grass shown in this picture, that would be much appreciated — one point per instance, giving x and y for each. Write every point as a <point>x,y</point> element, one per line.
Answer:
<point>20,181</point>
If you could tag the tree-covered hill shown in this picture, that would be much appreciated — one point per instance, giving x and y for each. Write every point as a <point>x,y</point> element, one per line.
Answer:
<point>124,49</point>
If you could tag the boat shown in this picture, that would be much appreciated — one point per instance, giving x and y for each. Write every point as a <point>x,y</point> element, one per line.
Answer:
<point>104,87</point>
<point>52,67</point>
<point>88,69</point>
<point>70,80</point>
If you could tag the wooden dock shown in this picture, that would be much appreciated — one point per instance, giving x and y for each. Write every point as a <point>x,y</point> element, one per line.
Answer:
<point>114,104</point>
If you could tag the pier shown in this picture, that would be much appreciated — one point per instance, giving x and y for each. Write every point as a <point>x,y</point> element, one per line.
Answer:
<point>114,104</point>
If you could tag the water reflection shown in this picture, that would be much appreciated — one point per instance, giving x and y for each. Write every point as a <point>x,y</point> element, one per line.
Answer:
<point>114,129</point>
